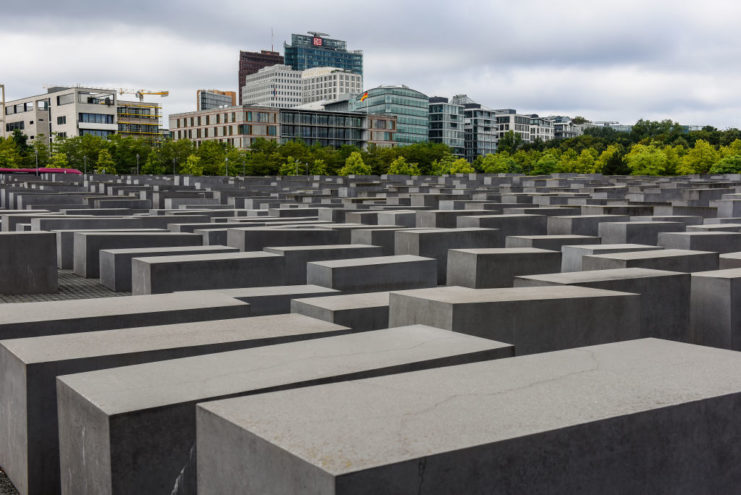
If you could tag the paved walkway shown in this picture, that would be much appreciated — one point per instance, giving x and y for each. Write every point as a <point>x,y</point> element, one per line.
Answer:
<point>71,286</point>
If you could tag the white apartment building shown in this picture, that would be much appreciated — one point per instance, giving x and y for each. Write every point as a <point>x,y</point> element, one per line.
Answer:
<point>276,86</point>
<point>529,127</point>
<point>329,83</point>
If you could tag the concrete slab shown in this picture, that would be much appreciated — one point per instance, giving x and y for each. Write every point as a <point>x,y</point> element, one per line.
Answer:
<point>28,263</point>
<point>296,257</point>
<point>729,260</point>
<point>497,267</point>
<point>273,300</point>
<point>143,440</point>
<point>716,308</point>
<point>581,224</point>
<point>374,274</point>
<point>571,259</point>
<point>551,242</point>
<point>673,260</point>
<point>361,312</point>
<point>719,242</point>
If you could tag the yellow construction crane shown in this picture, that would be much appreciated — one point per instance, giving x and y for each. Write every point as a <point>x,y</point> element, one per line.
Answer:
<point>141,92</point>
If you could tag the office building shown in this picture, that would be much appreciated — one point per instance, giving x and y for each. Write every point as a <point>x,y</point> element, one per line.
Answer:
<point>447,125</point>
<point>251,62</point>
<point>241,126</point>
<point>329,83</point>
<point>206,99</point>
<point>318,50</point>
<point>480,128</point>
<point>410,107</point>
<point>138,119</point>
<point>277,86</point>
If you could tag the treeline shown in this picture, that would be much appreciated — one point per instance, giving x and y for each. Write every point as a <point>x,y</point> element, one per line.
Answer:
<point>651,148</point>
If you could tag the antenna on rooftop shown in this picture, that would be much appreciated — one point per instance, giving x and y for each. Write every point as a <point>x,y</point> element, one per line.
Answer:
<point>272,47</point>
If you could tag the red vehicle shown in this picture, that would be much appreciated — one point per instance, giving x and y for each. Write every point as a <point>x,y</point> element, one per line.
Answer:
<point>73,171</point>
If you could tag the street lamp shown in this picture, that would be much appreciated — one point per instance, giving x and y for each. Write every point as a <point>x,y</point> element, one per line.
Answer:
<point>84,161</point>
<point>137,164</point>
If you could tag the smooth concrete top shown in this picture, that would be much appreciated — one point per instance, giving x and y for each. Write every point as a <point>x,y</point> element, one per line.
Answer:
<point>352,426</point>
<point>598,247</point>
<point>378,260</point>
<point>210,257</point>
<point>349,301</point>
<point>658,253</point>
<point>142,339</point>
<point>464,295</point>
<point>601,275</point>
<point>319,247</point>
<point>189,379</point>
<point>107,306</point>
<point>171,249</point>
<point>512,250</point>
<point>555,237</point>
<point>730,273</point>
<point>273,290</point>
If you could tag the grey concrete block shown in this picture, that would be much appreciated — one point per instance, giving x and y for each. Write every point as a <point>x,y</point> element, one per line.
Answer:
<point>374,274</point>
<point>719,242</point>
<point>146,436</point>
<point>533,319</point>
<point>273,300</point>
<point>87,246</point>
<point>296,257</point>
<point>665,296</point>
<point>28,263</point>
<point>206,271</point>
<point>115,264</point>
<point>497,267</point>
<point>34,319</point>
<point>716,308</point>
<point>673,260</point>
<point>729,260</point>
<point>256,239</point>
<point>28,423</point>
<point>645,416</point>
<point>551,242</point>
<point>581,224</point>
<point>435,243</point>
<point>361,312</point>
<point>636,232</point>
<point>507,224</point>
<point>382,237</point>
<point>571,259</point>
<point>66,244</point>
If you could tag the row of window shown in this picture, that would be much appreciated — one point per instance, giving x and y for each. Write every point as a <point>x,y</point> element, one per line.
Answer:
<point>96,118</point>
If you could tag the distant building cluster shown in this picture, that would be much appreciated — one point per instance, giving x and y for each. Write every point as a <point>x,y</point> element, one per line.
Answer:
<point>314,92</point>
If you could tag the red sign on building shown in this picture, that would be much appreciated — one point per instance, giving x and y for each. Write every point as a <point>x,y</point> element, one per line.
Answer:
<point>317,41</point>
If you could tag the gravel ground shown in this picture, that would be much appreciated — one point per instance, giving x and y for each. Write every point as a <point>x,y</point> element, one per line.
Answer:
<point>6,487</point>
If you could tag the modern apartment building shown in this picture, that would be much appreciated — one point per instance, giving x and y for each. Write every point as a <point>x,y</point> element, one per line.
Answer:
<point>447,124</point>
<point>138,119</point>
<point>64,112</point>
<point>251,62</point>
<point>480,128</point>
<point>329,83</point>
<point>277,86</point>
<point>206,99</point>
<point>241,126</point>
<point>318,50</point>
<point>410,107</point>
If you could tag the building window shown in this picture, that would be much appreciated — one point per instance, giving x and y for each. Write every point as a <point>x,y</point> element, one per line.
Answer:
<point>62,120</point>
<point>96,118</point>
<point>14,125</point>
<point>95,132</point>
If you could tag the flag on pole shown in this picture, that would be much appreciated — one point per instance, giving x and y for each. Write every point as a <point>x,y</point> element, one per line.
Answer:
<point>365,95</point>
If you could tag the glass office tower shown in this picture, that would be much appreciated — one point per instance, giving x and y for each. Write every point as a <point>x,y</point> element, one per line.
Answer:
<point>447,125</point>
<point>316,50</point>
<point>410,107</point>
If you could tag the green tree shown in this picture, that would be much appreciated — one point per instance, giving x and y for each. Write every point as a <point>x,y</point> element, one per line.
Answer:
<point>699,159</point>
<point>601,162</point>
<point>319,167</point>
<point>728,165</point>
<point>733,148</point>
<point>290,167</point>
<point>646,160</point>
<point>105,163</point>
<point>192,166</point>
<point>400,166</point>
<point>10,156</point>
<point>354,165</point>
<point>442,165</point>
<point>461,166</point>
<point>40,152</point>
<point>510,142</point>
<point>499,163</point>
<point>58,160</point>
<point>546,164</point>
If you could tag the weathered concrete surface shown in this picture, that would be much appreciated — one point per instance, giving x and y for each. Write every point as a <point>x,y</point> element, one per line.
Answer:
<point>551,242</point>
<point>645,416</point>
<point>729,260</point>
<point>716,308</point>
<point>28,263</point>
<point>571,258</point>
<point>665,296</point>
<point>366,311</point>
<point>374,274</point>
<point>636,232</point>
<point>497,267</point>
<point>296,257</point>
<point>275,299</point>
<point>719,242</point>
<point>140,433</point>
<point>256,239</point>
<point>28,423</point>
<point>673,260</point>
<point>581,224</point>
<point>533,319</point>
<point>19,320</point>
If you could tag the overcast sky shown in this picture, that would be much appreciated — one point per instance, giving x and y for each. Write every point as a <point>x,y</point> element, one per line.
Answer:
<point>606,60</point>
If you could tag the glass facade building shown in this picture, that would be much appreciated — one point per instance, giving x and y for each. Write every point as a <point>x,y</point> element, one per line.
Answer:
<point>480,129</point>
<point>315,50</point>
<point>447,125</point>
<point>410,107</point>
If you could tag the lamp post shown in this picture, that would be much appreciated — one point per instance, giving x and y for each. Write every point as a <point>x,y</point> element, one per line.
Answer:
<point>137,164</point>
<point>37,161</point>
<point>84,161</point>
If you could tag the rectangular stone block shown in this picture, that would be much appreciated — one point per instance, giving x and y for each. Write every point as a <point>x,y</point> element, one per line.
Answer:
<point>533,319</point>
<point>66,244</point>
<point>28,424</point>
<point>256,239</point>
<point>28,263</point>
<point>729,260</point>
<point>497,267</point>
<point>716,308</point>
<point>719,242</point>
<point>296,257</point>
<point>34,319</point>
<point>87,246</point>
<point>381,237</point>
<point>115,264</point>
<point>206,271</point>
<point>143,438</point>
<point>645,416</point>
<point>636,232</point>
<point>435,243</point>
<point>361,312</point>
<point>571,256</point>
<point>665,296</point>
<point>273,300</point>
<point>551,242</point>
<point>374,274</point>
<point>673,260</point>
<point>433,219</point>
<point>581,224</point>
<point>507,224</point>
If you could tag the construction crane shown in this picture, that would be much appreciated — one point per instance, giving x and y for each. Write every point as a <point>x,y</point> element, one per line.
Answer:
<point>141,92</point>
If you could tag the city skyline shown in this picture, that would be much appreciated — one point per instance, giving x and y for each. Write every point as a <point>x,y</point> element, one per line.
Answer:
<point>616,61</point>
